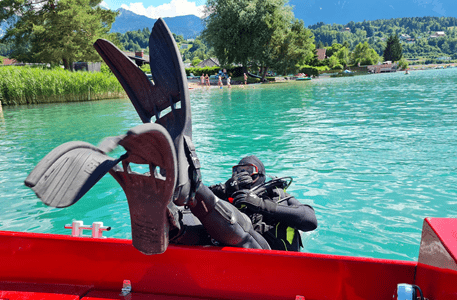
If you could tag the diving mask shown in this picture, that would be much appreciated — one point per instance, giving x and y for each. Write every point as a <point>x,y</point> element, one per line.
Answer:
<point>250,169</point>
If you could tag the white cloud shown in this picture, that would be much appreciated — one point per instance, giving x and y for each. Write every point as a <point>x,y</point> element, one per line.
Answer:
<point>104,5</point>
<point>172,9</point>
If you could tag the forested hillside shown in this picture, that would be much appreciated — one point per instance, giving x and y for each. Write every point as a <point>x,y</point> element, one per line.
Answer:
<point>418,35</point>
<point>139,39</point>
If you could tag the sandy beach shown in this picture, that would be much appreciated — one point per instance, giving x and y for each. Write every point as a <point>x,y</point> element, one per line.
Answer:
<point>195,84</point>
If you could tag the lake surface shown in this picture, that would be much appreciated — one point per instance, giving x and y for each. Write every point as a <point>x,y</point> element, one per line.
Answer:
<point>374,155</point>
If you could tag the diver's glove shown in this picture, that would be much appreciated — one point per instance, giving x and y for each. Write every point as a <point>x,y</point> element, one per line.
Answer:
<point>253,202</point>
<point>238,182</point>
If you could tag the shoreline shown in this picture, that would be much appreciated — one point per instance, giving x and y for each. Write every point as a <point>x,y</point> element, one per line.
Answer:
<point>195,84</point>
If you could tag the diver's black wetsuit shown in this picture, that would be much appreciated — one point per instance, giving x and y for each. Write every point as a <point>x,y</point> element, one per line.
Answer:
<point>279,228</point>
<point>213,221</point>
<point>271,222</point>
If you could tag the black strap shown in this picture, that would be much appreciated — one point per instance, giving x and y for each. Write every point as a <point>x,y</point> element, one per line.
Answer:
<point>194,167</point>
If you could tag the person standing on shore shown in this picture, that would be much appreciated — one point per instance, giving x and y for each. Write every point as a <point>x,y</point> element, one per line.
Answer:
<point>219,83</point>
<point>207,80</point>
<point>228,82</point>
<point>245,79</point>
<point>202,79</point>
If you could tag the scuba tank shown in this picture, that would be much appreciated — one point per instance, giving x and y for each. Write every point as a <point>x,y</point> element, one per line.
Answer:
<point>281,183</point>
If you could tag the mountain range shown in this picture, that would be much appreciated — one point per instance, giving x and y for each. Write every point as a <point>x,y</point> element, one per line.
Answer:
<point>311,12</point>
<point>189,26</point>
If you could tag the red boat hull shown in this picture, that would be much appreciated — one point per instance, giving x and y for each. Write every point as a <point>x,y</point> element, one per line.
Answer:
<point>44,266</point>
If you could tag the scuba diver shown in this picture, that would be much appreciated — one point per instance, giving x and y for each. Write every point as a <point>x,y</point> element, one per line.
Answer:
<point>276,215</point>
<point>264,208</point>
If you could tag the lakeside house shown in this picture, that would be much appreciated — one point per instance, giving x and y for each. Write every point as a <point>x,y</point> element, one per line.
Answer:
<point>138,57</point>
<point>9,61</point>
<point>386,67</point>
<point>210,62</point>
<point>87,66</point>
<point>438,34</point>
<point>410,41</point>
<point>321,54</point>
<point>406,38</point>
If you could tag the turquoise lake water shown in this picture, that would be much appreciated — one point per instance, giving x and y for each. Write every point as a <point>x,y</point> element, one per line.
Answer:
<point>374,155</point>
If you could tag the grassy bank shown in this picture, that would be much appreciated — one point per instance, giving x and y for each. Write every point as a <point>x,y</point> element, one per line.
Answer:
<point>26,85</point>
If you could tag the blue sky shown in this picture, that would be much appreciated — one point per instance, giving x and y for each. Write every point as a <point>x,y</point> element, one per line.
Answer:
<point>311,11</point>
<point>159,8</point>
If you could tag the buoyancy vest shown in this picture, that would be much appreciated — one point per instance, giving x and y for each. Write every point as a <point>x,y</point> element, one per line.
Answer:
<point>279,235</point>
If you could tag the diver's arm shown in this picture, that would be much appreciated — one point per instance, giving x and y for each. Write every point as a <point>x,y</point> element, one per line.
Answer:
<point>237,182</point>
<point>290,211</point>
<point>296,215</point>
<point>224,223</point>
<point>219,190</point>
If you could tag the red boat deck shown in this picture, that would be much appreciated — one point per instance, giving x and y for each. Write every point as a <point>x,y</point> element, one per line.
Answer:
<point>43,266</point>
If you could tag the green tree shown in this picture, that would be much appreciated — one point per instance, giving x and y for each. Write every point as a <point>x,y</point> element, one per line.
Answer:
<point>363,54</point>
<point>240,30</point>
<point>445,48</point>
<point>53,32</point>
<point>393,51</point>
<point>334,63</point>
<point>403,64</point>
<point>293,51</point>
<point>279,18</point>
<point>262,33</point>
<point>178,38</point>
<point>198,50</point>
<point>5,49</point>
<point>333,49</point>
<point>196,61</point>
<point>343,56</point>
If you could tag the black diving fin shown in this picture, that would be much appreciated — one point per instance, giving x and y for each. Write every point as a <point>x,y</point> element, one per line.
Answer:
<point>148,194</point>
<point>64,175</point>
<point>70,170</point>
<point>168,92</point>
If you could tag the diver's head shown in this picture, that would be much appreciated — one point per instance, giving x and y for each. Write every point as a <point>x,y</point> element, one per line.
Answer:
<point>254,167</point>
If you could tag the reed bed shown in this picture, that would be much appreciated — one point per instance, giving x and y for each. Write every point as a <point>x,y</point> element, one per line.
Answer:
<point>26,85</point>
